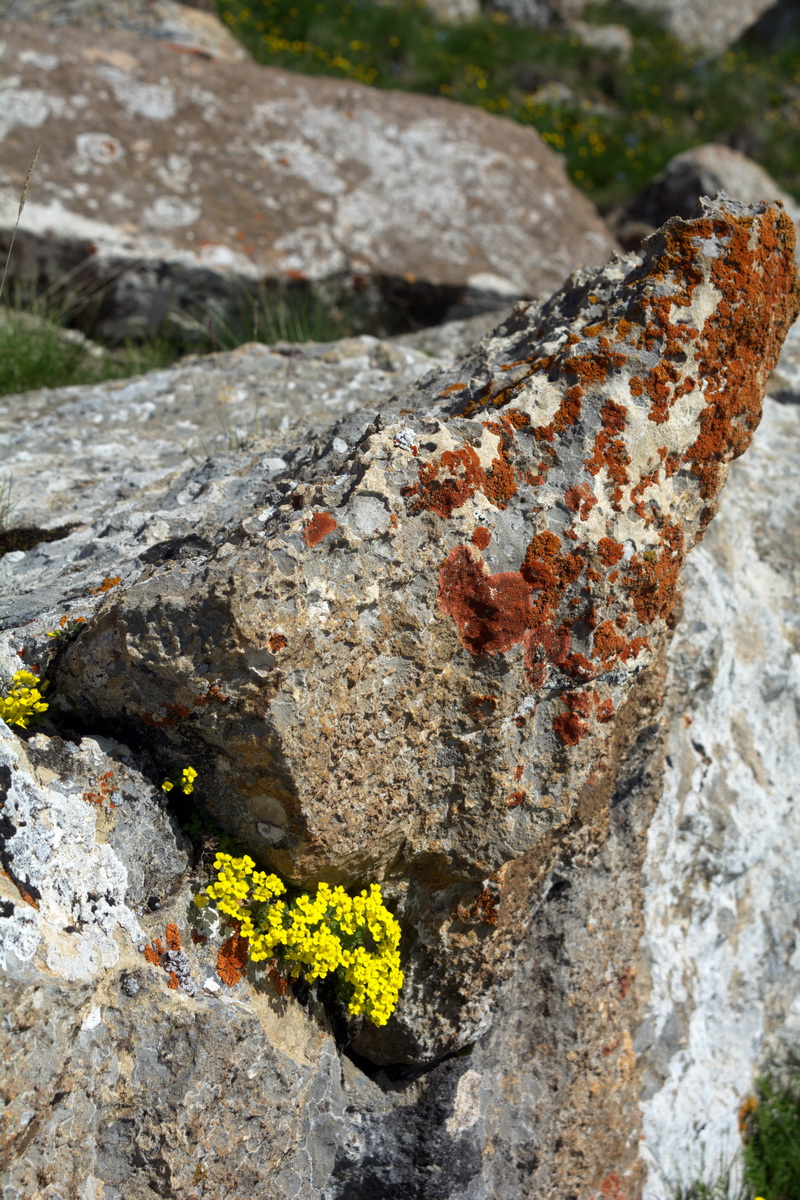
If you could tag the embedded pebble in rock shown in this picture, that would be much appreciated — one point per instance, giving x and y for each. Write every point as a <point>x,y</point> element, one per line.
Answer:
<point>508,534</point>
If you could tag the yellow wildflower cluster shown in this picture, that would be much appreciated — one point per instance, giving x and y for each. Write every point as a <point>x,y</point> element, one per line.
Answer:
<point>23,700</point>
<point>355,937</point>
<point>188,776</point>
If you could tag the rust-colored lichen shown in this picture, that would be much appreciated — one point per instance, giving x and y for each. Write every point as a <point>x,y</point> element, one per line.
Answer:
<point>173,937</point>
<point>570,728</point>
<point>492,612</point>
<point>103,793</point>
<point>232,958</point>
<point>318,526</point>
<point>481,537</point>
<point>276,642</point>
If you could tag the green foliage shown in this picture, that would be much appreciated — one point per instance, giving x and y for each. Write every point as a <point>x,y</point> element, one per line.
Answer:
<point>617,123</point>
<point>772,1141</point>
<point>36,351</point>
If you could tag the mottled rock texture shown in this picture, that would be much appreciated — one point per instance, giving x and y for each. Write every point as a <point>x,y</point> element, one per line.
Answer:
<point>180,1086</point>
<point>170,187</point>
<point>423,637</point>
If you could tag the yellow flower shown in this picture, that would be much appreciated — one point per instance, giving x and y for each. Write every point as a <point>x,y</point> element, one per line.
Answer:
<point>23,700</point>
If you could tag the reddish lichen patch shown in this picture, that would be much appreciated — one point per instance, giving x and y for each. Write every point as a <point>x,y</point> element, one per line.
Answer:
<point>653,580</point>
<point>198,939</point>
<point>570,728</point>
<point>515,799</point>
<point>276,642</point>
<point>491,612</point>
<point>173,937</point>
<point>607,643</point>
<point>605,710</point>
<point>580,702</point>
<point>173,982</point>
<point>610,551</point>
<point>580,499</point>
<point>103,793</point>
<point>278,981</point>
<point>318,526</point>
<point>482,707</point>
<point>481,537</point>
<point>232,958</point>
<point>175,714</point>
<point>154,952</point>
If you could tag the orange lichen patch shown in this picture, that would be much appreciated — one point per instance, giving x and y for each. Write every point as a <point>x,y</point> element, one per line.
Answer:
<point>607,643</point>
<point>610,551</point>
<point>447,483</point>
<point>173,981</point>
<point>609,451</point>
<point>653,579</point>
<point>492,612</point>
<point>580,702</point>
<point>594,368</point>
<point>519,420</point>
<point>634,648</point>
<point>580,499</point>
<point>519,770</point>
<point>153,953</point>
<point>745,1112</point>
<point>104,792</point>
<point>635,386</point>
<point>173,937</point>
<point>515,799</point>
<point>454,387</point>
<point>605,710</point>
<point>318,526</point>
<point>108,583</point>
<point>481,537</point>
<point>579,667</point>
<point>276,642</point>
<point>232,958</point>
<point>212,696</point>
<point>570,728</point>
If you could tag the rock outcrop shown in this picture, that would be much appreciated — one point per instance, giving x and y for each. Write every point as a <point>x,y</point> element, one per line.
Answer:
<point>170,188</point>
<point>512,839</point>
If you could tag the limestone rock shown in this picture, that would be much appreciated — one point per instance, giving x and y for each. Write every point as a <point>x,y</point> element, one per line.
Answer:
<point>185,1085</point>
<point>170,188</point>
<point>701,171</point>
<point>422,639</point>
<point>711,27</point>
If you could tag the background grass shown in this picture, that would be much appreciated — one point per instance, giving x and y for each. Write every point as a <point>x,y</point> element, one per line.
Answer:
<point>616,122</point>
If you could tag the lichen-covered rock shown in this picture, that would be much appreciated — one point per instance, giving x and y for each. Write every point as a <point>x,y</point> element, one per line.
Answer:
<point>419,644</point>
<point>173,188</point>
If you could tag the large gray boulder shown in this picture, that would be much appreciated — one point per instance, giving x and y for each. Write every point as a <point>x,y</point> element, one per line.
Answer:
<point>170,188</point>
<point>180,1084</point>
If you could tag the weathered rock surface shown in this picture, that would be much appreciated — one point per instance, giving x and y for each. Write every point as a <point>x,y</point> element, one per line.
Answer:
<point>701,171</point>
<point>181,25</point>
<point>170,187</point>
<point>712,26</point>
<point>423,635</point>
<point>233,1092</point>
